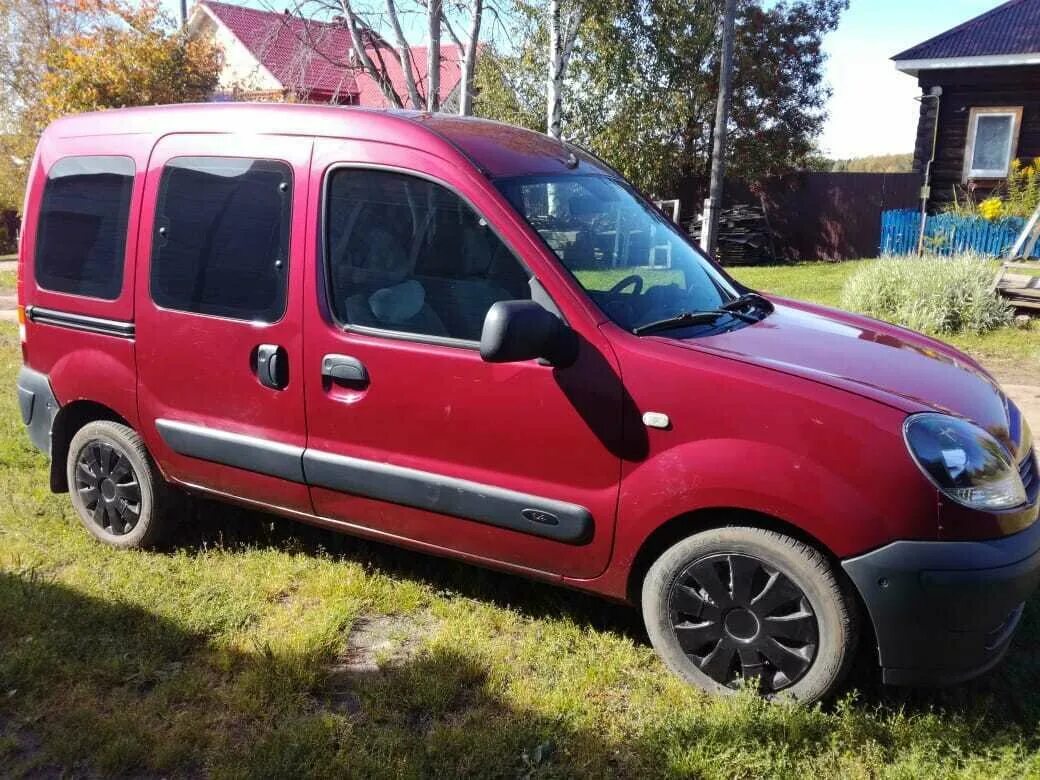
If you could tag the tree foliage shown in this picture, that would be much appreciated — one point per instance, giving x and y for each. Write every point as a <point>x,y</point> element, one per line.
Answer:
<point>128,58</point>
<point>68,56</point>
<point>875,163</point>
<point>643,83</point>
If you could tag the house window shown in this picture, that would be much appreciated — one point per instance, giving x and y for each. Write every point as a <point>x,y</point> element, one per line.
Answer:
<point>992,142</point>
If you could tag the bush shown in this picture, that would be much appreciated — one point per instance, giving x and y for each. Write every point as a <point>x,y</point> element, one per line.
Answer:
<point>940,295</point>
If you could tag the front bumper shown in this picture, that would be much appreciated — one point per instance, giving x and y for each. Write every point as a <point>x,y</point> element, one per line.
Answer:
<point>944,612</point>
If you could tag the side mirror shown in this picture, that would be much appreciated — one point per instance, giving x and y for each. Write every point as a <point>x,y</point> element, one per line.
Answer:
<point>523,330</point>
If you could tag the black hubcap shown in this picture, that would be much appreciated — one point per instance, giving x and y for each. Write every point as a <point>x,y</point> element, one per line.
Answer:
<point>108,487</point>
<point>737,617</point>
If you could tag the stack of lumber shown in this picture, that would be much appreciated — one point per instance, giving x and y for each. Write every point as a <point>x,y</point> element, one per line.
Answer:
<point>1020,284</point>
<point>744,236</point>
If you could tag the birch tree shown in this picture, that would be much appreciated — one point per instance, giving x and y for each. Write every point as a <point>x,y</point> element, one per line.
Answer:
<point>469,49</point>
<point>378,74</point>
<point>404,51</point>
<point>434,13</point>
<point>564,20</point>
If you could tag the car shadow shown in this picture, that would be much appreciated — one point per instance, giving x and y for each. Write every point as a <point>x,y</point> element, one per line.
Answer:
<point>212,523</point>
<point>1012,685</point>
<point>96,687</point>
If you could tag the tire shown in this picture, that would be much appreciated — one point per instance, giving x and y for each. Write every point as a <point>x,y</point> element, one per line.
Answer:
<point>781,616</point>
<point>116,490</point>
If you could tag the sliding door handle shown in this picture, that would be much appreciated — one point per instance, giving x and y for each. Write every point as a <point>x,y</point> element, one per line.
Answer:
<point>344,369</point>
<point>271,366</point>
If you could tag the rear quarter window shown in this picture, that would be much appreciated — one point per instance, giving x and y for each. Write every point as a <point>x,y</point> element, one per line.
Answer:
<point>81,233</point>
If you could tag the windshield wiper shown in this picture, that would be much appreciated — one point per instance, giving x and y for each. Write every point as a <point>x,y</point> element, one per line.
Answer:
<point>691,318</point>
<point>748,299</point>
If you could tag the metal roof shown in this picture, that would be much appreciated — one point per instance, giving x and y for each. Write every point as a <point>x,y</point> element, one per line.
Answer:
<point>1012,28</point>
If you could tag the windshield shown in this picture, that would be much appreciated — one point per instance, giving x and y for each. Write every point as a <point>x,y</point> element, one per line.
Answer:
<point>631,260</point>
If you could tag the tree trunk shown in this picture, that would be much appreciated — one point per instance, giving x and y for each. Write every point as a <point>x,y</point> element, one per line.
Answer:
<point>405,52</point>
<point>554,86</point>
<point>469,60</point>
<point>710,225</point>
<point>378,74</point>
<point>433,72</point>
<point>563,31</point>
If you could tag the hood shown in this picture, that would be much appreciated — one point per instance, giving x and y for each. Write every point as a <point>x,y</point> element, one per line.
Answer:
<point>887,363</point>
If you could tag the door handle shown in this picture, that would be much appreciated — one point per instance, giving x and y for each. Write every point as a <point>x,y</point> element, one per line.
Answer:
<point>345,369</point>
<point>272,366</point>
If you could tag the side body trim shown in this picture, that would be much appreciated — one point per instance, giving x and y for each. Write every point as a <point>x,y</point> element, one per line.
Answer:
<point>233,449</point>
<point>380,536</point>
<point>66,319</point>
<point>558,520</point>
<point>522,512</point>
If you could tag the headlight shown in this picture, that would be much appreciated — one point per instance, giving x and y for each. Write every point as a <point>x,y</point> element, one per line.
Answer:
<point>1025,440</point>
<point>965,462</point>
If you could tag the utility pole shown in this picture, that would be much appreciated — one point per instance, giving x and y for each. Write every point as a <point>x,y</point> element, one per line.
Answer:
<point>713,205</point>
<point>184,12</point>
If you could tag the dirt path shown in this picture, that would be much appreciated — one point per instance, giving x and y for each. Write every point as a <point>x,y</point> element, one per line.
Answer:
<point>7,298</point>
<point>1027,397</point>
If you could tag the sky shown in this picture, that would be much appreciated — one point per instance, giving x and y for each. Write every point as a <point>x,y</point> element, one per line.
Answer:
<point>872,110</point>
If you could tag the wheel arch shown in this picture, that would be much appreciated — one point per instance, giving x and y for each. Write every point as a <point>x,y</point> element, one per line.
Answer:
<point>69,419</point>
<point>687,524</point>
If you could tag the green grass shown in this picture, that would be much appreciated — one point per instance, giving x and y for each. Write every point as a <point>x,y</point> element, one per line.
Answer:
<point>823,282</point>
<point>818,282</point>
<point>235,655</point>
<point>8,279</point>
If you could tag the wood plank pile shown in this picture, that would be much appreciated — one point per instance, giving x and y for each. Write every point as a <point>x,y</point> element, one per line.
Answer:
<point>1022,290</point>
<point>745,237</point>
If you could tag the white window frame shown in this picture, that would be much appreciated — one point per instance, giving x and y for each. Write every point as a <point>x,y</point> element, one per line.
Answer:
<point>1015,114</point>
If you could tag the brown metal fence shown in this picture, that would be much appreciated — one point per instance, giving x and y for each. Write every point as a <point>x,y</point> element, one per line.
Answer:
<point>823,216</point>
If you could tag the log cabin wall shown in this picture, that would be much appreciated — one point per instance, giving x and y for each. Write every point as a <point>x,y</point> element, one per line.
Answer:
<point>964,89</point>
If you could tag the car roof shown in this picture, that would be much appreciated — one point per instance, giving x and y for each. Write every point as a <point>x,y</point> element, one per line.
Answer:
<point>495,148</point>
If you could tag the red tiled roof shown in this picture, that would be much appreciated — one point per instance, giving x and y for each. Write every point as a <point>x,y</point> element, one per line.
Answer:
<point>1010,28</point>
<point>313,58</point>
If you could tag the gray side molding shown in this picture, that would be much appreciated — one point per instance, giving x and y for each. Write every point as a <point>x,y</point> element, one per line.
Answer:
<point>233,449</point>
<point>557,520</point>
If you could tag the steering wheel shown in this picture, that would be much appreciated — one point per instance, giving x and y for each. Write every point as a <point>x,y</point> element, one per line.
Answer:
<point>635,280</point>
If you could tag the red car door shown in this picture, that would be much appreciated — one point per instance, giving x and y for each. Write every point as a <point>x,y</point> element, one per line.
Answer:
<point>219,315</point>
<point>411,436</point>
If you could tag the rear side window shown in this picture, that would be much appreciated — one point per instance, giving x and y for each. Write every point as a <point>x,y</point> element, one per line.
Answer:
<point>221,243</point>
<point>81,234</point>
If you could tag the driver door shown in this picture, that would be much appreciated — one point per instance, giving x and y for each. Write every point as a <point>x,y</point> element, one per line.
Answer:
<point>411,435</point>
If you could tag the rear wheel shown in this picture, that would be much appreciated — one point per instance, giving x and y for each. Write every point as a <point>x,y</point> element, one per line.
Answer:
<point>745,604</point>
<point>115,488</point>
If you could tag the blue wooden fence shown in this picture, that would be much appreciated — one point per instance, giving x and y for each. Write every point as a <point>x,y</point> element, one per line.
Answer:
<point>948,234</point>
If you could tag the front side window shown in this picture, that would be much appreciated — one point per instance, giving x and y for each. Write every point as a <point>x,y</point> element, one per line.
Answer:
<point>81,234</point>
<point>630,259</point>
<point>992,140</point>
<point>221,241</point>
<point>409,256</point>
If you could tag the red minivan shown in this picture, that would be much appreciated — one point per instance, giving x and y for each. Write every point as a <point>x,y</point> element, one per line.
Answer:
<point>477,341</point>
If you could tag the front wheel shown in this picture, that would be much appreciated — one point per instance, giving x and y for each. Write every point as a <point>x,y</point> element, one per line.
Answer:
<point>116,489</point>
<point>745,604</point>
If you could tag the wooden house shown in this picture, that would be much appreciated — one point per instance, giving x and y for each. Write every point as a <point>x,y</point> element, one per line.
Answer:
<point>980,100</point>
